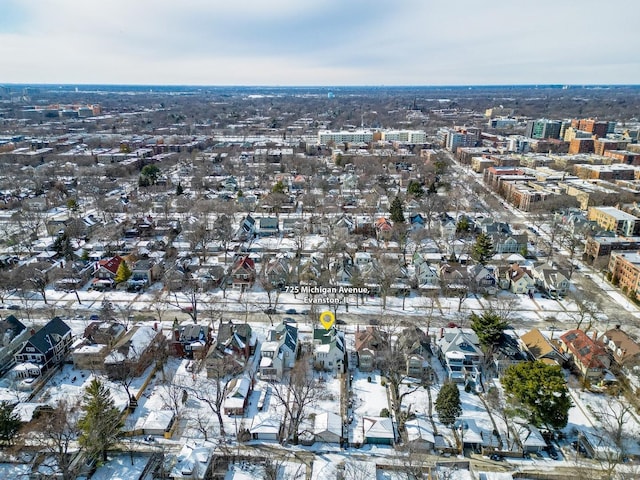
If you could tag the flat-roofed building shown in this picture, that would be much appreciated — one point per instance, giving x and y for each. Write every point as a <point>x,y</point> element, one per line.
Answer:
<point>615,220</point>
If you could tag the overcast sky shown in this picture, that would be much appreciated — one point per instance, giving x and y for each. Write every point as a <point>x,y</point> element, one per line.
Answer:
<point>320,42</point>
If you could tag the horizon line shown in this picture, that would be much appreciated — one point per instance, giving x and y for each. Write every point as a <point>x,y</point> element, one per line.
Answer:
<point>195,85</point>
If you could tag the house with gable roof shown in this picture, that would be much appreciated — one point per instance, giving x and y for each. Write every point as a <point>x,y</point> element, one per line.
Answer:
<point>589,357</point>
<point>460,354</point>
<point>45,349</point>
<point>517,279</point>
<point>237,398</point>
<point>369,342</point>
<point>383,228</point>
<point>278,353</point>
<point>105,272</point>
<point>538,347</point>
<point>235,339</point>
<point>243,272</point>
<point>13,334</point>
<point>553,281</point>
<point>623,348</point>
<point>134,352</point>
<point>329,349</point>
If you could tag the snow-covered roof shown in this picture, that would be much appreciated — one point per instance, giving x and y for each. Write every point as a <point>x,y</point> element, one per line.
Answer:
<point>378,427</point>
<point>419,429</point>
<point>328,422</point>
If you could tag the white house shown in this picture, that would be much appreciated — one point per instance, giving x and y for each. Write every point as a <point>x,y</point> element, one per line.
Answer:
<point>279,352</point>
<point>329,349</point>
<point>459,352</point>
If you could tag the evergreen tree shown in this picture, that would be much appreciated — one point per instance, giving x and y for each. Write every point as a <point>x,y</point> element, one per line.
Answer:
<point>448,404</point>
<point>415,189</point>
<point>149,174</point>
<point>100,426</point>
<point>123,273</point>
<point>463,224</point>
<point>278,187</point>
<point>179,189</point>
<point>396,211</point>
<point>9,423</point>
<point>541,390</point>
<point>482,250</point>
<point>488,327</point>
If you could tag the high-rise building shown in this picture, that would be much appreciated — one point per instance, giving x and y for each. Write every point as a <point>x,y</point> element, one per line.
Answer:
<point>543,128</point>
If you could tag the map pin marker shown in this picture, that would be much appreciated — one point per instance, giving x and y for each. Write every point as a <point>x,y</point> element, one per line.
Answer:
<point>327,319</point>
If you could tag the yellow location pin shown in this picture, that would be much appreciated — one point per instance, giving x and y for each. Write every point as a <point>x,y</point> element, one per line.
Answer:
<point>327,319</point>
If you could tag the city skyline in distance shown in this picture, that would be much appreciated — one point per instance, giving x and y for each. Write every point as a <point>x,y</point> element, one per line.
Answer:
<point>328,43</point>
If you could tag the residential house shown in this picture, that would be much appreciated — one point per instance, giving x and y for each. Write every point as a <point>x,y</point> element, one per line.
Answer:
<point>277,271</point>
<point>190,340</point>
<point>510,243</point>
<point>517,279</point>
<point>540,348</point>
<point>454,278</point>
<point>105,273</point>
<point>134,352</point>
<point>268,226</point>
<point>378,430</point>
<point>13,334</point>
<point>589,357</point>
<point>551,280</point>
<point>460,354</point>
<point>413,343</point>
<point>343,226</point>
<point>235,339</point>
<point>327,427</point>
<point>417,221</point>
<point>507,352</point>
<point>243,273</point>
<point>426,274</point>
<point>99,338</point>
<point>237,398</point>
<point>292,226</point>
<point>329,349</point>
<point>45,349</point>
<point>368,344</point>
<point>143,273</point>
<point>623,348</point>
<point>383,228</point>
<point>278,353</point>
<point>247,230</point>
<point>482,278</point>
<point>448,227</point>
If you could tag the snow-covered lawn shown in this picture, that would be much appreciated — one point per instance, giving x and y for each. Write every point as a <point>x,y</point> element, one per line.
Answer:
<point>369,398</point>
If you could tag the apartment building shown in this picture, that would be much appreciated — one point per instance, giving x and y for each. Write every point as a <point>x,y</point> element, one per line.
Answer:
<point>625,270</point>
<point>615,220</point>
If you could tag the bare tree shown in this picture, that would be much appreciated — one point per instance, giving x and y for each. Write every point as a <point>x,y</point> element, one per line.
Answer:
<point>212,391</point>
<point>56,433</point>
<point>297,393</point>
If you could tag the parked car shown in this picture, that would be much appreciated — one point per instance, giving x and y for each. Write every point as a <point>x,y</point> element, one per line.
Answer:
<point>270,311</point>
<point>291,311</point>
